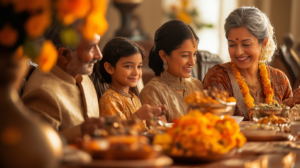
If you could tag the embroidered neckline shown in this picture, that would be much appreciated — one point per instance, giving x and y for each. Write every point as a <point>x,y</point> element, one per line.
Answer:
<point>120,92</point>
<point>175,83</point>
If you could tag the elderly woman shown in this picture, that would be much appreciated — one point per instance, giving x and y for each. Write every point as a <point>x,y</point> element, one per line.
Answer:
<point>172,59</point>
<point>248,77</point>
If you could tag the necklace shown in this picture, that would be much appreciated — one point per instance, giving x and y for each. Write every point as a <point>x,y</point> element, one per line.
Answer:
<point>263,73</point>
<point>173,82</point>
<point>252,86</point>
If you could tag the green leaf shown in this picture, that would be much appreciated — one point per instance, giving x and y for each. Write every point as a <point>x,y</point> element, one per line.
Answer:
<point>69,37</point>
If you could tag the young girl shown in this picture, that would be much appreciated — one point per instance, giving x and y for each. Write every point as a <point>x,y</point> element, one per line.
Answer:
<point>121,68</point>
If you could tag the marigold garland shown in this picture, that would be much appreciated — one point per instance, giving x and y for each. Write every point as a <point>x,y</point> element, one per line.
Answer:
<point>268,91</point>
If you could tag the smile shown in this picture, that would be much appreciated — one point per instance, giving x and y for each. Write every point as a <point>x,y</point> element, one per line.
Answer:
<point>242,59</point>
<point>188,69</point>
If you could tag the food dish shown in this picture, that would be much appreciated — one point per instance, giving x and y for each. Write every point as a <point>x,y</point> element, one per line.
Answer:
<point>260,132</point>
<point>237,119</point>
<point>160,161</point>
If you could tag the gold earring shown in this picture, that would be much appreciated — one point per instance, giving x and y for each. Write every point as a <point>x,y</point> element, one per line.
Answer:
<point>166,65</point>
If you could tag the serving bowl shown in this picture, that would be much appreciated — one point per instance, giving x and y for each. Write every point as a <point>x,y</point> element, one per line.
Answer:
<point>216,109</point>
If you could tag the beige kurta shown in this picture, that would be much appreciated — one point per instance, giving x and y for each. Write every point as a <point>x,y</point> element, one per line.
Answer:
<point>158,92</point>
<point>62,100</point>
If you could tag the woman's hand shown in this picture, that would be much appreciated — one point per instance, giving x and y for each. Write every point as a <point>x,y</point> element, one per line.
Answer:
<point>293,100</point>
<point>146,112</point>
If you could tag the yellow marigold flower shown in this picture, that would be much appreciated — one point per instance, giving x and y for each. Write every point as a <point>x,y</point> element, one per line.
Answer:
<point>47,57</point>
<point>37,24</point>
<point>184,17</point>
<point>241,139</point>
<point>8,36</point>
<point>70,10</point>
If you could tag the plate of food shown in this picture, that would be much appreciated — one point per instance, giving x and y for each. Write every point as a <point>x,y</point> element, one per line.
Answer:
<point>262,132</point>
<point>213,101</point>
<point>265,110</point>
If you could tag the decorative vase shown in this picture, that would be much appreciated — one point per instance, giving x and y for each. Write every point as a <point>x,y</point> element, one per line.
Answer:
<point>130,25</point>
<point>25,141</point>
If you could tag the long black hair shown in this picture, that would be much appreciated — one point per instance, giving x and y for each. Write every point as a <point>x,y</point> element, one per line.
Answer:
<point>113,50</point>
<point>169,37</point>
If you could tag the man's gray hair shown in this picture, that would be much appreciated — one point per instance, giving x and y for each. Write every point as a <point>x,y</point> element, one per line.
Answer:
<point>257,23</point>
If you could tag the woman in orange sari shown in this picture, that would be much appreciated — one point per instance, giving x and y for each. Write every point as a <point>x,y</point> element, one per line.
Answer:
<point>248,77</point>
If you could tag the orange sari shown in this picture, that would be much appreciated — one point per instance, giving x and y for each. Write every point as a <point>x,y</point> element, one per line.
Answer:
<point>218,76</point>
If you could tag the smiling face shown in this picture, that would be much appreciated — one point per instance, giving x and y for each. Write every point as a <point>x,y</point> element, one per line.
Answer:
<point>84,57</point>
<point>182,60</point>
<point>127,72</point>
<point>244,48</point>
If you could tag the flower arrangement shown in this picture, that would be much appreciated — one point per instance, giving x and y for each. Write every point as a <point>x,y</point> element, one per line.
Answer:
<point>23,21</point>
<point>198,134</point>
<point>268,91</point>
<point>188,15</point>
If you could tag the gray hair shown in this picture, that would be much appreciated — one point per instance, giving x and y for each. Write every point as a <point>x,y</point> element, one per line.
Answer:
<point>257,23</point>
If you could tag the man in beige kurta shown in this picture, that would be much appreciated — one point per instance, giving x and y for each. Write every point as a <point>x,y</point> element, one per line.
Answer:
<point>65,96</point>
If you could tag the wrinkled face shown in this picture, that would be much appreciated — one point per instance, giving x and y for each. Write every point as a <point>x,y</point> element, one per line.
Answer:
<point>85,56</point>
<point>128,70</point>
<point>244,48</point>
<point>182,60</point>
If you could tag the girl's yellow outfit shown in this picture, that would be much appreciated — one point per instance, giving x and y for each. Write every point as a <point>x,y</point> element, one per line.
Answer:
<point>116,102</point>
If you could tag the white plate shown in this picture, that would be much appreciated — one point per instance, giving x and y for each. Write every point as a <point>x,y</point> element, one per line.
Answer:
<point>263,135</point>
<point>237,119</point>
<point>155,162</point>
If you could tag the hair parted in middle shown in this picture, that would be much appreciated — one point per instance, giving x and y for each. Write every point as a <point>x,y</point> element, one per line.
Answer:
<point>257,23</point>
<point>169,37</point>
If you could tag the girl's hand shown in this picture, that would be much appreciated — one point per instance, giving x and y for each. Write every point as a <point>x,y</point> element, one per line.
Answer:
<point>146,112</point>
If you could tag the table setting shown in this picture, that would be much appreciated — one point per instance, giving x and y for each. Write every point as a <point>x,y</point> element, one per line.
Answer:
<point>207,136</point>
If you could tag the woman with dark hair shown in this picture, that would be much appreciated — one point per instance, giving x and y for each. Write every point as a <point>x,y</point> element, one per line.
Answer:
<point>248,77</point>
<point>121,68</point>
<point>172,59</point>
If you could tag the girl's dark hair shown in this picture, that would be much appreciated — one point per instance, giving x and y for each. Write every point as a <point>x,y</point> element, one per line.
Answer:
<point>113,50</point>
<point>169,37</point>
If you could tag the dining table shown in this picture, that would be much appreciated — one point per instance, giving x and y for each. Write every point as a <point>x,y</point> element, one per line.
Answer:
<point>254,153</point>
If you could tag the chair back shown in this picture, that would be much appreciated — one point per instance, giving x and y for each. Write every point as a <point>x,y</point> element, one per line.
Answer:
<point>206,60</point>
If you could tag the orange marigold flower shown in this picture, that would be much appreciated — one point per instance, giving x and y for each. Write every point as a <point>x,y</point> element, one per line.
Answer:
<point>8,36</point>
<point>70,10</point>
<point>47,57</point>
<point>95,24</point>
<point>37,24</point>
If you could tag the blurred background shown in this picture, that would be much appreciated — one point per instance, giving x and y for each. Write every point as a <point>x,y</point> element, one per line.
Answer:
<point>207,18</point>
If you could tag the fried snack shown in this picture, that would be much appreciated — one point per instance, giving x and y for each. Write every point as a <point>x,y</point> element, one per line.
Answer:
<point>273,119</point>
<point>210,96</point>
